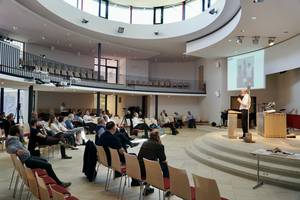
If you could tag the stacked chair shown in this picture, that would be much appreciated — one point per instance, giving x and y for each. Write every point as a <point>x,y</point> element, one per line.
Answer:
<point>37,183</point>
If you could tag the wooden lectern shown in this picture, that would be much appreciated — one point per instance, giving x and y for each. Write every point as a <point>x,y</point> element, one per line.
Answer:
<point>232,123</point>
<point>271,125</point>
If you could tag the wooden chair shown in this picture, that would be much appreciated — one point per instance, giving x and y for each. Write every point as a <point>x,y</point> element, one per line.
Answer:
<point>154,176</point>
<point>42,188</point>
<point>133,170</point>
<point>2,139</point>
<point>14,158</point>
<point>21,170</point>
<point>32,183</point>
<point>117,166</point>
<point>180,185</point>
<point>206,189</point>
<point>14,170</point>
<point>102,160</point>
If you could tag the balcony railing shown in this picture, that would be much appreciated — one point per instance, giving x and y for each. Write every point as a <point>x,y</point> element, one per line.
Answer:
<point>43,70</point>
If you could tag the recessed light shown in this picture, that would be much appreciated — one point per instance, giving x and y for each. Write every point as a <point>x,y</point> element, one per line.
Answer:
<point>230,40</point>
<point>43,38</point>
<point>15,28</point>
<point>253,18</point>
<point>243,31</point>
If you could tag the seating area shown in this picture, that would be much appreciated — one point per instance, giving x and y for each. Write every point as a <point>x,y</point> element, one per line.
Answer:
<point>160,83</point>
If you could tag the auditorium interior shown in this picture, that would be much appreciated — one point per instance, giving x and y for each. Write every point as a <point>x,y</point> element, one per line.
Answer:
<point>148,99</point>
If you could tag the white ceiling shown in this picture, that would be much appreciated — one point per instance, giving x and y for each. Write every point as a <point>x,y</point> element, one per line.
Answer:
<point>274,18</point>
<point>146,3</point>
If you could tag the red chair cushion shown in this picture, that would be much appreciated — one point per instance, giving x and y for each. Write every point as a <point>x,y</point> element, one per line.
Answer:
<point>59,189</point>
<point>40,172</point>
<point>167,183</point>
<point>123,170</point>
<point>48,180</point>
<point>222,198</point>
<point>71,198</point>
<point>193,192</point>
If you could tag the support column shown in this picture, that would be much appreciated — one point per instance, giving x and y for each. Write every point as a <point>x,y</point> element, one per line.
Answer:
<point>116,105</point>
<point>144,106</point>
<point>98,104</point>
<point>156,107</point>
<point>99,61</point>
<point>30,102</point>
<point>18,106</point>
<point>2,100</point>
<point>105,103</point>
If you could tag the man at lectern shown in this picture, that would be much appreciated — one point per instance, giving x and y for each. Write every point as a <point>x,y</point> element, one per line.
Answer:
<point>245,103</point>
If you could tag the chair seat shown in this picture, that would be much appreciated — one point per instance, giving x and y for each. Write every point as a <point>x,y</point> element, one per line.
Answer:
<point>222,198</point>
<point>40,172</point>
<point>166,183</point>
<point>59,189</point>
<point>48,180</point>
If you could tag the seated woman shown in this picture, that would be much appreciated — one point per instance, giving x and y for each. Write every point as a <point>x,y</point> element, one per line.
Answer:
<point>14,146</point>
<point>153,149</point>
<point>57,130</point>
<point>165,122</point>
<point>137,123</point>
<point>191,120</point>
<point>38,136</point>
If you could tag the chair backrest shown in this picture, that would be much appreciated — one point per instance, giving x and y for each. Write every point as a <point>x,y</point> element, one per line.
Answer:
<point>179,183</point>
<point>43,190</point>
<point>57,195</point>
<point>32,183</point>
<point>21,170</point>
<point>132,166</point>
<point>148,121</point>
<point>154,175</point>
<point>115,159</point>
<point>13,157</point>
<point>102,158</point>
<point>206,189</point>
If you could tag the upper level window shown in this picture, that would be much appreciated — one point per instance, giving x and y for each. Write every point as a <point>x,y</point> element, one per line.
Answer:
<point>158,15</point>
<point>72,3</point>
<point>103,9</point>
<point>142,16</point>
<point>193,8</point>
<point>173,14</point>
<point>91,6</point>
<point>119,13</point>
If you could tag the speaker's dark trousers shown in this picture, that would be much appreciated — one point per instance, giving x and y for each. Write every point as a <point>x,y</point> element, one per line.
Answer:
<point>244,121</point>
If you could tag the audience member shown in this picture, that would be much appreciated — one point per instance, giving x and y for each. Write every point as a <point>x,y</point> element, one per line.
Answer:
<point>153,149</point>
<point>14,146</point>
<point>137,123</point>
<point>79,131</point>
<point>8,122</point>
<point>39,137</point>
<point>191,120</point>
<point>100,129</point>
<point>178,120</point>
<point>89,121</point>
<point>165,122</point>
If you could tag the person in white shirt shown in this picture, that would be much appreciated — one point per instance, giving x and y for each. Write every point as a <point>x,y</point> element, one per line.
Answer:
<point>89,121</point>
<point>245,103</point>
<point>165,122</point>
<point>138,123</point>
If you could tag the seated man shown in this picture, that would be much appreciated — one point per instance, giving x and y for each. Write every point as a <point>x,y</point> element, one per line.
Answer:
<point>165,122</point>
<point>137,123</point>
<point>79,131</point>
<point>153,149</point>
<point>100,129</point>
<point>178,120</point>
<point>108,140</point>
<point>88,121</point>
<point>38,136</point>
<point>14,146</point>
<point>191,120</point>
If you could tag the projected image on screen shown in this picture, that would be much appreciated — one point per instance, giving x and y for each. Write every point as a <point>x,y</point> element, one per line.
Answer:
<point>245,72</point>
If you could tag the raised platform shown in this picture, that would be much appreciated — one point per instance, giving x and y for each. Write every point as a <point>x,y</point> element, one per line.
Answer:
<point>215,149</point>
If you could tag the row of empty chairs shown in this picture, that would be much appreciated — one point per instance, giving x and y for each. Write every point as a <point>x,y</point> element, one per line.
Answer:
<point>37,183</point>
<point>160,83</point>
<point>178,183</point>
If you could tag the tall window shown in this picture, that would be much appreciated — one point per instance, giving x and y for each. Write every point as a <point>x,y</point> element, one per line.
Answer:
<point>172,14</point>
<point>119,13</point>
<point>108,69</point>
<point>142,16</point>
<point>193,8</point>
<point>91,6</point>
<point>158,15</point>
<point>103,9</point>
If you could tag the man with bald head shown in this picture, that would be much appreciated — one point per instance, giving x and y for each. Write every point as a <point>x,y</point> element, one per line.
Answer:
<point>245,103</point>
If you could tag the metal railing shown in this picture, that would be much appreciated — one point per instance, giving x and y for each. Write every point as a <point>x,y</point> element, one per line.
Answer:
<point>43,70</point>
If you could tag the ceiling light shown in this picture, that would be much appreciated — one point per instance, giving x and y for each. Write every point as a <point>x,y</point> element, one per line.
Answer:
<point>255,40</point>
<point>253,18</point>
<point>43,38</point>
<point>271,41</point>
<point>230,40</point>
<point>239,39</point>
<point>213,11</point>
<point>243,31</point>
<point>121,29</point>
<point>15,28</point>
